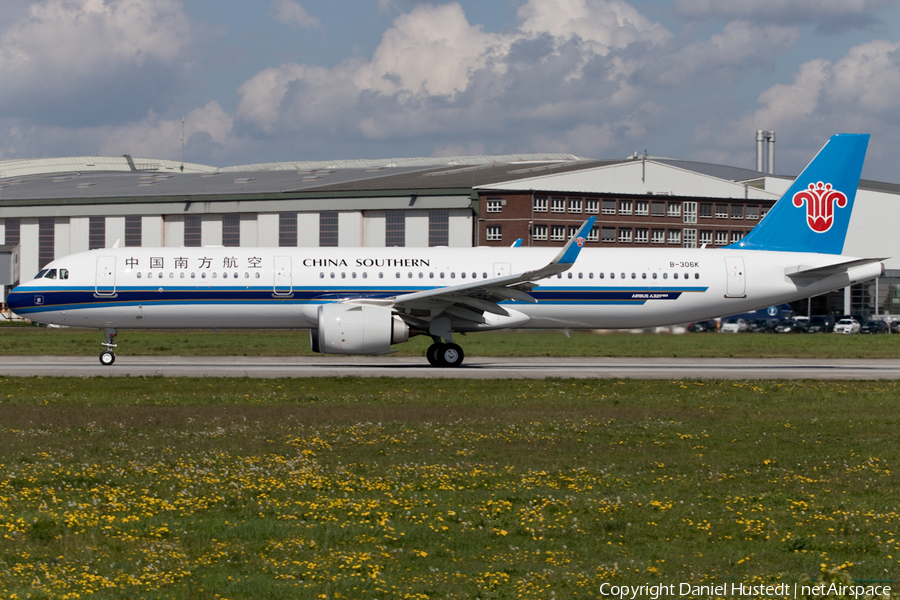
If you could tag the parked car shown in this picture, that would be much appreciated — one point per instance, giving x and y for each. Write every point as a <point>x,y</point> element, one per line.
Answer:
<point>733,326</point>
<point>875,326</point>
<point>847,326</point>
<point>895,326</point>
<point>820,324</point>
<point>761,326</point>
<point>701,326</point>
<point>790,326</point>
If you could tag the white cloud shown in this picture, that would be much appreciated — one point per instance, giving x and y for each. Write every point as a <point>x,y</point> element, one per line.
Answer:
<point>603,24</point>
<point>291,12</point>
<point>92,52</point>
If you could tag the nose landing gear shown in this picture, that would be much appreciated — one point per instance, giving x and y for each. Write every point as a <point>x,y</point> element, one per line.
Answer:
<point>107,357</point>
<point>440,354</point>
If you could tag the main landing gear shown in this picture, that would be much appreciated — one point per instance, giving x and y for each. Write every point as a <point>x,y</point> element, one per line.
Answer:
<point>107,357</point>
<point>440,354</point>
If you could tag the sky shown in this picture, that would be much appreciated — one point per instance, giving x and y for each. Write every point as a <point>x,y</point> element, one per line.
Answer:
<point>289,80</point>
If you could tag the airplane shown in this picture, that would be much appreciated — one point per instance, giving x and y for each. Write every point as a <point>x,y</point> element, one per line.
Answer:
<point>364,300</point>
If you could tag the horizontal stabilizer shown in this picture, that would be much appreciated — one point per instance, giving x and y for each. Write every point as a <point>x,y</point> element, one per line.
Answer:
<point>820,272</point>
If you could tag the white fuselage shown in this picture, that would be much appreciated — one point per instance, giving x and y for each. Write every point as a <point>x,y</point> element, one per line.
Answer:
<point>282,287</point>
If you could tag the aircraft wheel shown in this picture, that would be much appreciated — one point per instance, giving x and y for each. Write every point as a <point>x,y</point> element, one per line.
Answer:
<point>432,354</point>
<point>450,355</point>
<point>107,358</point>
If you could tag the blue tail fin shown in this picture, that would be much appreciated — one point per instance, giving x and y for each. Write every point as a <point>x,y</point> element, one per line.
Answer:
<point>812,216</point>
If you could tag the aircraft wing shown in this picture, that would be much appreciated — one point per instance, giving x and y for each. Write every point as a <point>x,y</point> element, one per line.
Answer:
<point>484,295</point>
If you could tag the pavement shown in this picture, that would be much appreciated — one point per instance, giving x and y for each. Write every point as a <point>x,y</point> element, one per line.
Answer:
<point>473,368</point>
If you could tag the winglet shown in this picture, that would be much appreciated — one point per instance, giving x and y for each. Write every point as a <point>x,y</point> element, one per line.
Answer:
<point>517,243</point>
<point>571,250</point>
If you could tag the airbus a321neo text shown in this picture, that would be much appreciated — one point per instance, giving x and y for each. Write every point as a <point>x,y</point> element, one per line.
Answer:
<point>362,301</point>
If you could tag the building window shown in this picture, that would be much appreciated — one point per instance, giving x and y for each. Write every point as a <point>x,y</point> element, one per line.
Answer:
<point>540,205</point>
<point>706,210</point>
<point>764,210</point>
<point>494,233</point>
<point>438,228</point>
<point>753,213</point>
<point>558,205</point>
<point>608,234</point>
<point>625,236</point>
<point>640,235</point>
<point>133,231</point>
<point>592,207</point>
<point>736,236</point>
<point>721,238</point>
<point>737,211</point>
<point>593,235</point>
<point>658,236</point>
<point>13,231</point>
<point>96,233</point>
<point>395,228</point>
<point>328,229</point>
<point>658,209</point>
<point>287,230</point>
<point>494,205</point>
<point>705,237</point>
<point>192,230</point>
<point>231,230</point>
<point>721,211</point>
<point>539,232</point>
<point>609,207</point>
<point>690,212</point>
<point>674,236</point>
<point>674,209</point>
<point>46,240</point>
<point>624,207</point>
<point>641,208</point>
<point>575,205</point>
<point>558,233</point>
<point>690,238</point>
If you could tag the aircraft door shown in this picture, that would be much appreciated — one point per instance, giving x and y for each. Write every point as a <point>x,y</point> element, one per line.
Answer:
<point>735,281</point>
<point>283,280</point>
<point>106,276</point>
<point>501,269</point>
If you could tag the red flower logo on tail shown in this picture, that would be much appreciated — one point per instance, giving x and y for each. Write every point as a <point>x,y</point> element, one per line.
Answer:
<point>820,201</point>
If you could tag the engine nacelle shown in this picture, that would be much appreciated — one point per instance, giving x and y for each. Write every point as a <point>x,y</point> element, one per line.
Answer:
<point>357,329</point>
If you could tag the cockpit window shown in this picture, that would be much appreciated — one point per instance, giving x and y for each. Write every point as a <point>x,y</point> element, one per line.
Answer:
<point>40,273</point>
<point>51,274</point>
<point>63,273</point>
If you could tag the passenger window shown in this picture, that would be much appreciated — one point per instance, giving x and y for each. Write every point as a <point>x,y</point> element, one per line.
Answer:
<point>590,275</point>
<point>442,274</point>
<point>643,276</point>
<point>559,275</point>
<point>484,275</point>
<point>463,274</point>
<point>634,275</point>
<point>171,275</point>
<point>687,276</point>
<point>193,275</point>
<point>570,276</point>
<point>246,275</point>
<point>51,274</point>
<point>696,275</point>
<point>353,275</point>
<point>581,276</point>
<point>380,275</point>
<point>332,274</point>
<point>409,275</point>
<point>182,275</point>
<point>612,275</point>
<point>225,275</point>
<point>431,275</point>
<point>474,275</point>
<point>214,275</point>
<point>343,276</point>
<point>160,275</point>
<point>602,275</point>
<point>675,275</point>
<point>203,275</point>
<point>623,275</point>
<point>63,273</point>
<point>654,276</point>
<point>453,275</point>
<point>421,275</point>
<point>257,275</point>
<point>665,275</point>
<point>138,274</point>
<point>365,275</point>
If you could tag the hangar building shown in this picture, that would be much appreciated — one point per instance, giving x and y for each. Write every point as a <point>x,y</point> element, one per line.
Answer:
<point>54,207</point>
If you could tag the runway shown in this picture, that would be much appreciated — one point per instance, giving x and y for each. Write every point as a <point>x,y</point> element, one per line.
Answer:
<point>473,368</point>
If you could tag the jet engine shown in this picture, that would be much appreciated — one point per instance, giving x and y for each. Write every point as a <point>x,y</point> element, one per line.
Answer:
<point>357,329</point>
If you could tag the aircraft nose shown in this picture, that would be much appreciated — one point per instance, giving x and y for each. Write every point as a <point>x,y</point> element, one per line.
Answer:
<point>19,299</point>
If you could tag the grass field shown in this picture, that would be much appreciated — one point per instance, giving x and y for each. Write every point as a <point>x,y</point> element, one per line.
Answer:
<point>348,488</point>
<point>38,340</point>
